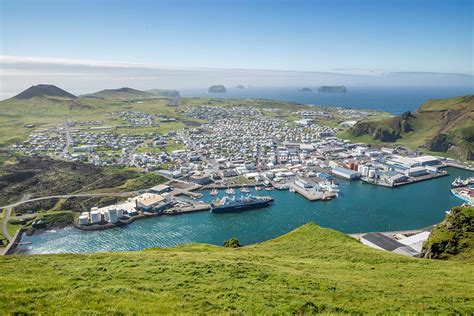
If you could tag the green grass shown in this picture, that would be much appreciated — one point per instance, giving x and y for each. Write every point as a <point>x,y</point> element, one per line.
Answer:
<point>308,270</point>
<point>145,181</point>
<point>454,237</point>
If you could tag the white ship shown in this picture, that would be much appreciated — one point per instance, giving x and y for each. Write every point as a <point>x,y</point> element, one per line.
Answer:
<point>329,186</point>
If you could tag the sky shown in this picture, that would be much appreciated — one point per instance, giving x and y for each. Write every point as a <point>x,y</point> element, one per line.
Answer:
<point>358,37</point>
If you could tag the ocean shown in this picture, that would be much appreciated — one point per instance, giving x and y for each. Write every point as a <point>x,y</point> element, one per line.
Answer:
<point>393,100</point>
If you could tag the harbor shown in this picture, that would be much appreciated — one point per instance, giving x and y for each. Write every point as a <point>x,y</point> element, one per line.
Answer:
<point>360,207</point>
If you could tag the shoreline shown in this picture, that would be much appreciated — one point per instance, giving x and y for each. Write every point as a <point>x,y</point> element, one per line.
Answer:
<point>19,234</point>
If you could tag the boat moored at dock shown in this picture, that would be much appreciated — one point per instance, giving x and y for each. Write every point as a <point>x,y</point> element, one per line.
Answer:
<point>244,203</point>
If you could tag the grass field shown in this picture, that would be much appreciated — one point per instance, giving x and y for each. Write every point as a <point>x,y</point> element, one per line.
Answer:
<point>306,271</point>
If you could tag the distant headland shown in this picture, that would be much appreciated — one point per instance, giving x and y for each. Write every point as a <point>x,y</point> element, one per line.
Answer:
<point>332,89</point>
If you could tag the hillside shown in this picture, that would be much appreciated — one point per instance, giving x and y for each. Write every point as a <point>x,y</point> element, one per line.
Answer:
<point>120,94</point>
<point>43,90</point>
<point>454,237</point>
<point>444,125</point>
<point>309,270</point>
<point>164,93</point>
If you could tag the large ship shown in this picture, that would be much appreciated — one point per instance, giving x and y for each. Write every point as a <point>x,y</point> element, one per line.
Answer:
<point>244,203</point>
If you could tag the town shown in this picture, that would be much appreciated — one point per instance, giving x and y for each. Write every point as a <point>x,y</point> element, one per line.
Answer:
<point>232,147</point>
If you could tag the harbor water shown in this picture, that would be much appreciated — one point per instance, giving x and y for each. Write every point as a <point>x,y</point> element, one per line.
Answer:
<point>360,207</point>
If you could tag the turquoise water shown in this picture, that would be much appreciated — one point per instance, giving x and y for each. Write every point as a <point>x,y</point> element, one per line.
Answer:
<point>360,207</point>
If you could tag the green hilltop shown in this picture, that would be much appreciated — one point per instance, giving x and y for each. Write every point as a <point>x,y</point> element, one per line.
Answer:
<point>120,94</point>
<point>309,270</point>
<point>443,125</point>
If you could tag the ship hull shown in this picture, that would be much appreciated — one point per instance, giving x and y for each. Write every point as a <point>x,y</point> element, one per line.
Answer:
<point>240,207</point>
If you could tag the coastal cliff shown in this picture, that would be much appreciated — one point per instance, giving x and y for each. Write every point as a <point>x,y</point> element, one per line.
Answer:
<point>454,237</point>
<point>444,125</point>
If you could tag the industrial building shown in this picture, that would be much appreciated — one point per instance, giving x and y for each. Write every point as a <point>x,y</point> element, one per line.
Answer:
<point>151,202</point>
<point>346,173</point>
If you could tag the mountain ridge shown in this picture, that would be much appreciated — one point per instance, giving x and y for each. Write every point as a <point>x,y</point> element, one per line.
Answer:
<point>43,90</point>
<point>440,125</point>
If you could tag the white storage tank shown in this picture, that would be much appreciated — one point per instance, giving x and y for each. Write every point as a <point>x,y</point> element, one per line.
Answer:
<point>96,216</point>
<point>111,215</point>
<point>119,212</point>
<point>84,219</point>
<point>365,171</point>
<point>371,173</point>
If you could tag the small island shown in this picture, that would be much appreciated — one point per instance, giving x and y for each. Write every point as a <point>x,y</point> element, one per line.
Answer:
<point>240,87</point>
<point>217,89</point>
<point>332,89</point>
<point>305,89</point>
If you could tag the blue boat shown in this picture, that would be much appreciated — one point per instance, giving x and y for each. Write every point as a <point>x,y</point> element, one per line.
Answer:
<point>244,203</point>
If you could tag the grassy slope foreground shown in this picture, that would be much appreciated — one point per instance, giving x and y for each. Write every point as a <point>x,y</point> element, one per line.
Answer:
<point>444,125</point>
<point>308,270</point>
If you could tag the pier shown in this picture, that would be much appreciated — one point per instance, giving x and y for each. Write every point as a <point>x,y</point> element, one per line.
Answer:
<point>313,195</point>
<point>409,181</point>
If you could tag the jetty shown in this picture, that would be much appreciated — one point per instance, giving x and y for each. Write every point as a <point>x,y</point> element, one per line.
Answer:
<point>313,195</point>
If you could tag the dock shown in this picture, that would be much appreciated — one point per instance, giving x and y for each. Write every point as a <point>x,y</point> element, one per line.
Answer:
<point>409,181</point>
<point>457,165</point>
<point>312,195</point>
<point>196,207</point>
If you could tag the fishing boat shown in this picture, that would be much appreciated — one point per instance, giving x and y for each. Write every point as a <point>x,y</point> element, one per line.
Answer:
<point>230,191</point>
<point>214,192</point>
<point>244,189</point>
<point>458,182</point>
<point>257,188</point>
<point>269,188</point>
<point>329,186</point>
<point>292,190</point>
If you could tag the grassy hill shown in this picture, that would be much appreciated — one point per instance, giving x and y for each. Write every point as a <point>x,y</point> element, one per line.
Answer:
<point>42,90</point>
<point>309,270</point>
<point>444,125</point>
<point>120,94</point>
<point>164,93</point>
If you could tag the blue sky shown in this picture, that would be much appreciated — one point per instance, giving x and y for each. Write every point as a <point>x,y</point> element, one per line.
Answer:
<point>355,36</point>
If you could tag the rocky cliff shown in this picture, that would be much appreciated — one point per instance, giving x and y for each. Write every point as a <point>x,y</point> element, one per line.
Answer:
<point>445,125</point>
<point>453,237</point>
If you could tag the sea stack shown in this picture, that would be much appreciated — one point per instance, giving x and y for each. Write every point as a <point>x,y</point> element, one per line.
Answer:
<point>217,89</point>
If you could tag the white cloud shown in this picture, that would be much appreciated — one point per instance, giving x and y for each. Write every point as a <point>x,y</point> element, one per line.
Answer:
<point>84,76</point>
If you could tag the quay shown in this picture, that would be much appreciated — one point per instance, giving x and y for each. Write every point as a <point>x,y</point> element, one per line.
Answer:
<point>457,165</point>
<point>409,181</point>
<point>180,207</point>
<point>313,195</point>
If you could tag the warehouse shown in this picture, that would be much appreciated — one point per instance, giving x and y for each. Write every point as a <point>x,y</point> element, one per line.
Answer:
<point>416,172</point>
<point>346,173</point>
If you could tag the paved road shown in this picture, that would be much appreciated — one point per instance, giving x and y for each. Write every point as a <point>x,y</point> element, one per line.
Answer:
<point>68,137</point>
<point>65,196</point>
<point>7,217</point>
